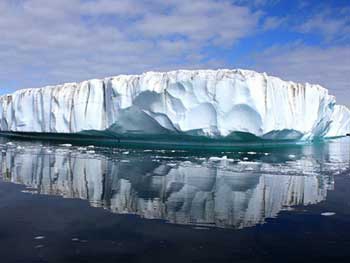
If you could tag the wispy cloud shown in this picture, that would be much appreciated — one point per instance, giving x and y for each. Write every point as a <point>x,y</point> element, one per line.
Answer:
<point>331,27</point>
<point>273,22</point>
<point>329,67</point>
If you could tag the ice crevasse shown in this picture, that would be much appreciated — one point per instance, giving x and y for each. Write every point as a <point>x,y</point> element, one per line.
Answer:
<point>208,103</point>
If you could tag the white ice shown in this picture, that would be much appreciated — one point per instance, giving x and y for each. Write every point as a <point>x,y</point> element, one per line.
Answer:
<point>213,103</point>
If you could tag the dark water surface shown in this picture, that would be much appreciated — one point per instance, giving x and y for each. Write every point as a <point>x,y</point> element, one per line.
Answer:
<point>283,203</point>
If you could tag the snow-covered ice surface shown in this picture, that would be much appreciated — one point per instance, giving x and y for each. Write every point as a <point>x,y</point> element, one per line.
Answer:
<point>210,103</point>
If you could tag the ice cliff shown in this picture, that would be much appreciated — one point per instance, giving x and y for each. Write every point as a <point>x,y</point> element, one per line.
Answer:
<point>211,103</point>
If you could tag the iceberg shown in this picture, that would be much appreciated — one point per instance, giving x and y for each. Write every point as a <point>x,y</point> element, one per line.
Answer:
<point>211,104</point>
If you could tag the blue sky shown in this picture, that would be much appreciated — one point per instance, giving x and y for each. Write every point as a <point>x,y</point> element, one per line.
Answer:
<point>49,42</point>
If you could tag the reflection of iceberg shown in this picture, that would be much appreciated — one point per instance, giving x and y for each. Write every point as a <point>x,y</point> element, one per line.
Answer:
<point>220,104</point>
<point>222,193</point>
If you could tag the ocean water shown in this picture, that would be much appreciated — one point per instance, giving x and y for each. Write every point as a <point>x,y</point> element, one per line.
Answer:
<point>85,203</point>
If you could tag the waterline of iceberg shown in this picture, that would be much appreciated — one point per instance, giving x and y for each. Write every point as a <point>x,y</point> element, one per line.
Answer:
<point>101,138</point>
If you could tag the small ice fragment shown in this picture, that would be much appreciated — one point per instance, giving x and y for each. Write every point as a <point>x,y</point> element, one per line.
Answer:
<point>251,153</point>
<point>245,159</point>
<point>126,152</point>
<point>66,145</point>
<point>266,154</point>
<point>39,237</point>
<point>328,214</point>
<point>75,239</point>
<point>90,151</point>
<point>28,191</point>
<point>39,246</point>
<point>292,156</point>
<point>216,159</point>
<point>90,147</point>
<point>10,143</point>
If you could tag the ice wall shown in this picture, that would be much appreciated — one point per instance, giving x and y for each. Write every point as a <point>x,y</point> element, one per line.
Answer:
<point>213,103</point>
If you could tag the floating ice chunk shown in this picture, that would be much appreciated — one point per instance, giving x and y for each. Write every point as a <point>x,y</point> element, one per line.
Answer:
<point>39,246</point>
<point>66,145</point>
<point>39,237</point>
<point>29,191</point>
<point>217,159</point>
<point>248,163</point>
<point>214,159</point>
<point>328,214</point>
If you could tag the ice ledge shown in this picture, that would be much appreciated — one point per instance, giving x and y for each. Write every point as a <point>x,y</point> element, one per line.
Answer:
<point>208,103</point>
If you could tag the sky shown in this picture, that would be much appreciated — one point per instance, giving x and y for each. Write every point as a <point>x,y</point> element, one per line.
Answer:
<point>50,42</point>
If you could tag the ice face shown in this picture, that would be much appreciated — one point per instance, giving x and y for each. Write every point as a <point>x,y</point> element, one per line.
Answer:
<point>212,103</point>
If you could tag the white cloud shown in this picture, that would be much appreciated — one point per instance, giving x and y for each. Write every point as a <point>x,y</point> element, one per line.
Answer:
<point>331,27</point>
<point>204,21</point>
<point>257,3</point>
<point>111,7</point>
<point>273,22</point>
<point>329,67</point>
<point>45,42</point>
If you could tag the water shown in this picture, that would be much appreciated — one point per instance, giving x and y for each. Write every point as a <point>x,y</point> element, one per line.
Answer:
<point>253,204</point>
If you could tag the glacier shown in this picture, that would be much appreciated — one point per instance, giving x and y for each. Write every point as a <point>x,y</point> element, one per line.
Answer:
<point>214,104</point>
